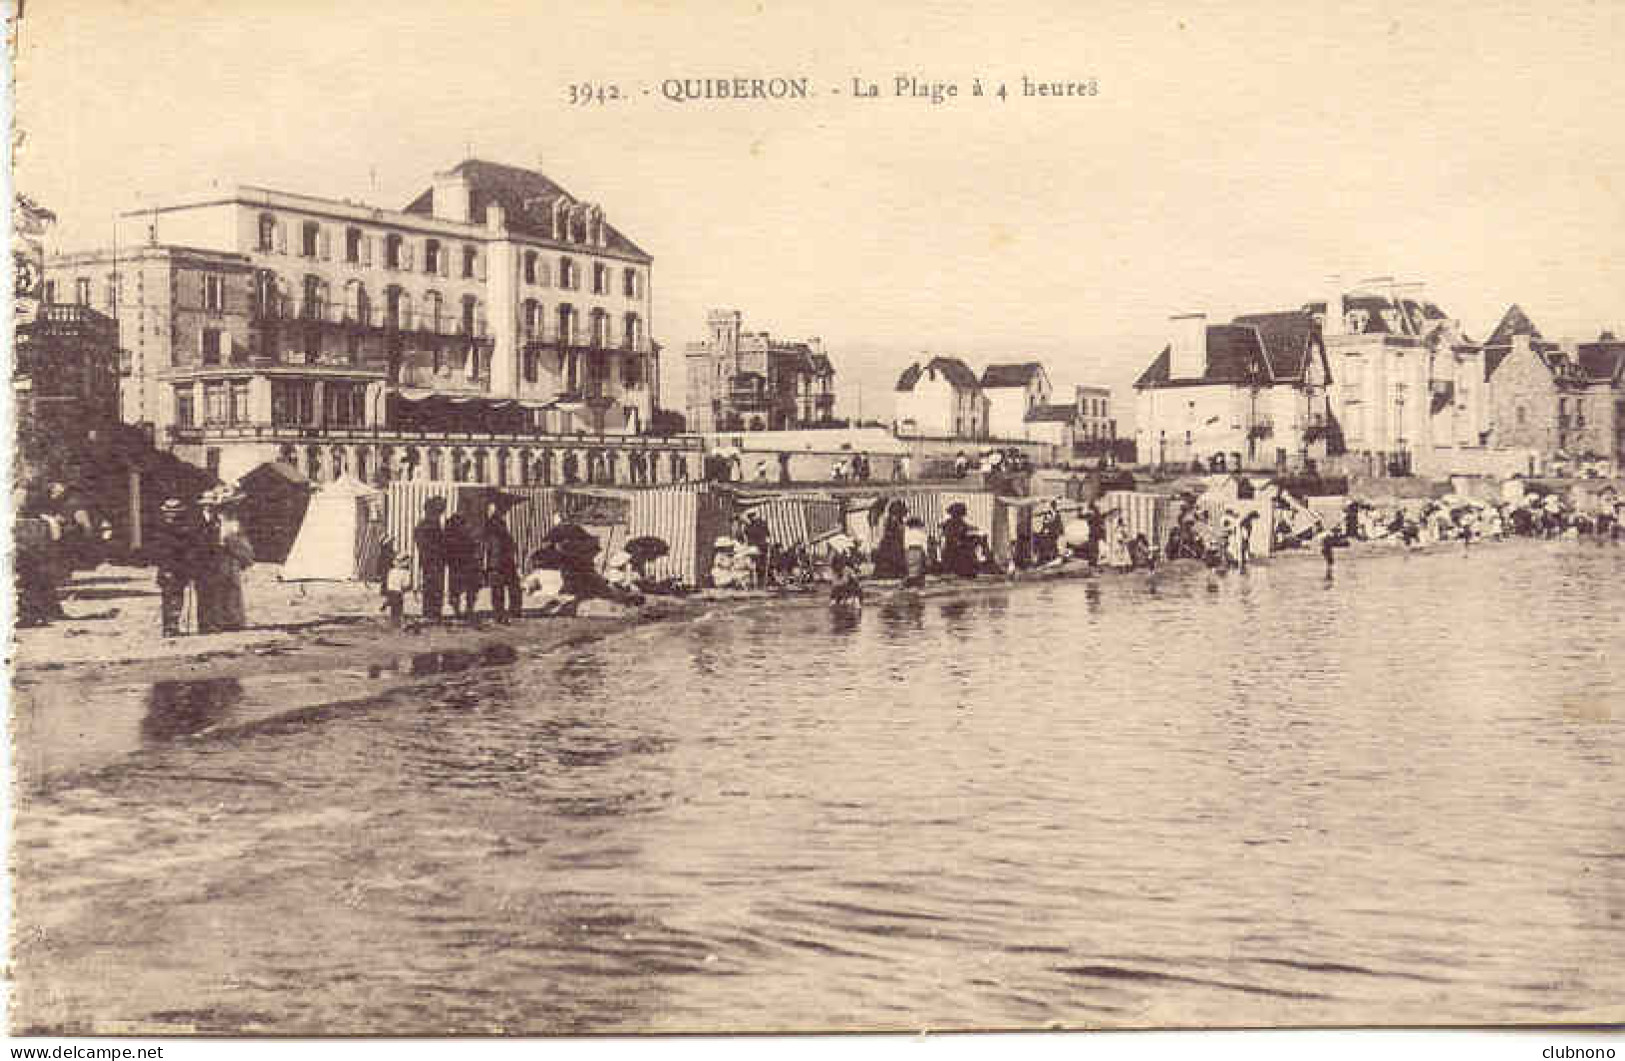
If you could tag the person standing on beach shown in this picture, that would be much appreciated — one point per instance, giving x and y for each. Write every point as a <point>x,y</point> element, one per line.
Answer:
<point>429,538</point>
<point>462,566</point>
<point>500,560</point>
<point>234,554</point>
<point>173,547</point>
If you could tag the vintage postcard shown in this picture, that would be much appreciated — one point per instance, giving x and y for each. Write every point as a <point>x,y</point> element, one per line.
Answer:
<point>536,519</point>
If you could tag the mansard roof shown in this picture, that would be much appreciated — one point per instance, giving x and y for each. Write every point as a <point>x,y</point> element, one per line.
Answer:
<point>526,197</point>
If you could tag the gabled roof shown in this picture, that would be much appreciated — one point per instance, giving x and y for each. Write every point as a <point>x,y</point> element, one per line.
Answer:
<point>1514,322</point>
<point>526,197</point>
<point>954,370</point>
<point>1052,414</point>
<point>822,366</point>
<point>1013,375</point>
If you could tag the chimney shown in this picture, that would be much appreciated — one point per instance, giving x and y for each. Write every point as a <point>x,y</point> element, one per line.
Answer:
<point>1188,345</point>
<point>451,195</point>
<point>1334,321</point>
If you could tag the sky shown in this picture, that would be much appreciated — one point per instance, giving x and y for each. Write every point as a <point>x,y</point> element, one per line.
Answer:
<point>1234,156</point>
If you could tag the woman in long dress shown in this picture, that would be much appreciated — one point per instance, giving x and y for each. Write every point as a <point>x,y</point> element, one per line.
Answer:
<point>234,554</point>
<point>891,559</point>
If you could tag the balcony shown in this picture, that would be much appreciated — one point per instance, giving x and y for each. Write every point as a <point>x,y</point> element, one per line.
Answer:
<point>449,380</point>
<point>379,319</point>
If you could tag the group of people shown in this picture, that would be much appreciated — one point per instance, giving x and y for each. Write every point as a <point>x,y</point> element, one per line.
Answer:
<point>201,553</point>
<point>56,534</point>
<point>457,557</point>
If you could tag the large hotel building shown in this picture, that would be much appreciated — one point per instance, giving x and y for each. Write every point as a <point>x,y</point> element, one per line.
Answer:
<point>472,336</point>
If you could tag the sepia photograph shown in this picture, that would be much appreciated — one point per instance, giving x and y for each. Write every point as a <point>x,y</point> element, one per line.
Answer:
<point>667,518</point>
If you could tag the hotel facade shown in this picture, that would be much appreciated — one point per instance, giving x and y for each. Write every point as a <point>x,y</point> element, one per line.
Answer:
<point>471,336</point>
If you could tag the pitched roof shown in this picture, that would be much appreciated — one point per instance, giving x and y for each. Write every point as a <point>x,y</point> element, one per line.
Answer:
<point>1053,414</point>
<point>1013,375</point>
<point>1287,339</point>
<point>1156,373</point>
<point>822,366</point>
<point>1604,362</point>
<point>954,370</point>
<point>1234,355</point>
<point>1514,322</point>
<point>526,197</point>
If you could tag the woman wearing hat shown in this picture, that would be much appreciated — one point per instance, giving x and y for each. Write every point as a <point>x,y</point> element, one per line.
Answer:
<point>223,554</point>
<point>958,542</point>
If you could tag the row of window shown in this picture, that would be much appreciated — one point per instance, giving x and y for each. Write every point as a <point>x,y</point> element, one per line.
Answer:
<point>293,404</point>
<point>398,254</point>
<point>567,326</point>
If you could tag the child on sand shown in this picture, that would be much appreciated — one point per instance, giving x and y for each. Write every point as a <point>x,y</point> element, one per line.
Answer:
<point>397,583</point>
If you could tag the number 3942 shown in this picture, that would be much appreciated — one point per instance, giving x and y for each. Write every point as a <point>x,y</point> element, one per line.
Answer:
<point>587,92</point>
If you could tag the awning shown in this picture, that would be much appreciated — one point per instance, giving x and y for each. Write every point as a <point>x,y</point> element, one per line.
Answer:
<point>414,394</point>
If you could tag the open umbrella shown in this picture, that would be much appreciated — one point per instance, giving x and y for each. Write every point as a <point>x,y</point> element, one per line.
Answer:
<point>568,532</point>
<point>476,500</point>
<point>647,548</point>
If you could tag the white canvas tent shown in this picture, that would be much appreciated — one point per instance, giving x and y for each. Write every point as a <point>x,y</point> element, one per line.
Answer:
<point>325,548</point>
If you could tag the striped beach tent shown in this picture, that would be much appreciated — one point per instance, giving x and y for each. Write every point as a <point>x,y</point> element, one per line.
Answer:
<point>1143,513</point>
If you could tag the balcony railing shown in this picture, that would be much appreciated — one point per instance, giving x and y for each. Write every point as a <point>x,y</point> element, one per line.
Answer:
<point>450,379</point>
<point>194,433</point>
<point>379,318</point>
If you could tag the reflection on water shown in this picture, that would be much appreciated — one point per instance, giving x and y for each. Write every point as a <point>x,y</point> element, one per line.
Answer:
<point>1169,799</point>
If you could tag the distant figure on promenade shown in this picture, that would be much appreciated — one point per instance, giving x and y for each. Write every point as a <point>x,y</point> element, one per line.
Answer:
<point>174,545</point>
<point>429,538</point>
<point>961,464</point>
<point>462,566</point>
<point>500,560</point>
